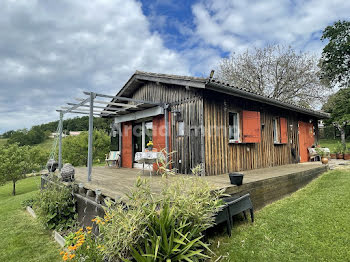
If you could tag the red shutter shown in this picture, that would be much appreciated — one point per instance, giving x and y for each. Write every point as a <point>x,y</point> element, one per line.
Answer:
<point>284,130</point>
<point>251,127</point>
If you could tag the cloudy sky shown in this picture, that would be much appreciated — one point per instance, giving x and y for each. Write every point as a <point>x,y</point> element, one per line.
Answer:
<point>50,51</point>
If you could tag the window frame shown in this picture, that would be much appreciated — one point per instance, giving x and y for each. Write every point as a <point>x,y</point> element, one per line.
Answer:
<point>236,139</point>
<point>275,128</point>
<point>179,124</point>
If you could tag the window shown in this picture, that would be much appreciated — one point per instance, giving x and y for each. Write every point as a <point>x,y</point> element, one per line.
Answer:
<point>181,129</point>
<point>233,130</point>
<point>275,130</point>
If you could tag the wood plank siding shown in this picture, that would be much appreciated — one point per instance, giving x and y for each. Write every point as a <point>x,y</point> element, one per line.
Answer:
<point>205,117</point>
<point>223,157</point>
<point>186,105</point>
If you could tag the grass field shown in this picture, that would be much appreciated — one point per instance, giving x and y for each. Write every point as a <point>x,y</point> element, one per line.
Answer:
<point>311,225</point>
<point>330,143</point>
<point>22,238</point>
<point>3,141</point>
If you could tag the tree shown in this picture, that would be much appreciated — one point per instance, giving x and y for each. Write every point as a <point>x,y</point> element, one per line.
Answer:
<point>15,163</point>
<point>275,71</point>
<point>75,148</point>
<point>338,106</point>
<point>335,60</point>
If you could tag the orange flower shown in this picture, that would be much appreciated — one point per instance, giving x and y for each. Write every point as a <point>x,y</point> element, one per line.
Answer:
<point>89,232</point>
<point>72,256</point>
<point>93,220</point>
<point>61,253</point>
<point>88,228</point>
<point>65,258</point>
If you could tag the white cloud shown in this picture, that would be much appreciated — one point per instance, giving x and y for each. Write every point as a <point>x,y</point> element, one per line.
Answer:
<point>236,25</point>
<point>51,50</point>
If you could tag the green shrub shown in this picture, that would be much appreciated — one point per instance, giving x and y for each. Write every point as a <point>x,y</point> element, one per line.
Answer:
<point>28,202</point>
<point>82,245</point>
<point>55,207</point>
<point>158,227</point>
<point>170,239</point>
<point>75,148</point>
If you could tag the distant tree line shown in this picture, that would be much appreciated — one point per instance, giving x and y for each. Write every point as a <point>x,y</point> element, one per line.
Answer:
<point>39,133</point>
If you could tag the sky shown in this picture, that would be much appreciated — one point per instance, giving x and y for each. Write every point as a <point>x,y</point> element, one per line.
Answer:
<point>52,51</point>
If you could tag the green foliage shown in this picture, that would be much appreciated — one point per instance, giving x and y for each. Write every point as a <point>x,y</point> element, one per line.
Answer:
<point>75,148</point>
<point>38,134</point>
<point>339,149</point>
<point>170,239</point>
<point>338,106</point>
<point>15,163</point>
<point>28,202</point>
<point>163,226</point>
<point>82,245</point>
<point>334,63</point>
<point>55,207</point>
<point>24,137</point>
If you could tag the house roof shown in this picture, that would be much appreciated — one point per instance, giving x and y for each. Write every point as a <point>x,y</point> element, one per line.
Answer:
<point>139,77</point>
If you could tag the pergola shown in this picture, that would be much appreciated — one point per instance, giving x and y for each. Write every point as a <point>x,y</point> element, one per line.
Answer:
<point>117,107</point>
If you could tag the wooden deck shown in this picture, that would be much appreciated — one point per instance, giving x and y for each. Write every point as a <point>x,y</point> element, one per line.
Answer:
<point>115,182</point>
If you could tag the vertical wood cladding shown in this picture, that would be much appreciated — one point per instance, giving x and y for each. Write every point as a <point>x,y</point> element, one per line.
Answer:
<point>186,106</point>
<point>223,157</point>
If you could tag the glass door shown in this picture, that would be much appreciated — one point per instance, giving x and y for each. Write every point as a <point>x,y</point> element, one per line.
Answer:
<point>137,137</point>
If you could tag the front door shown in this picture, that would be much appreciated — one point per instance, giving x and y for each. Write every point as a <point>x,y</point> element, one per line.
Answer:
<point>306,139</point>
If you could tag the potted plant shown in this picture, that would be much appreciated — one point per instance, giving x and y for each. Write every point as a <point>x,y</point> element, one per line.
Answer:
<point>340,151</point>
<point>236,178</point>
<point>323,155</point>
<point>347,154</point>
<point>150,145</point>
<point>333,154</point>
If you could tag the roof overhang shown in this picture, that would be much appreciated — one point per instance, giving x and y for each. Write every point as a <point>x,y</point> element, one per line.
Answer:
<point>150,112</point>
<point>139,78</point>
<point>226,89</point>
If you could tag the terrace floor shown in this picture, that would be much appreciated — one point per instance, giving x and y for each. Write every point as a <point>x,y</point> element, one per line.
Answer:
<point>115,182</point>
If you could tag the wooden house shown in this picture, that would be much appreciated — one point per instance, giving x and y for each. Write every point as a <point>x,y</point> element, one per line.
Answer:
<point>204,121</point>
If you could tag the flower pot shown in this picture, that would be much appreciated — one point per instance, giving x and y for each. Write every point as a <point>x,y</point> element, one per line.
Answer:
<point>150,148</point>
<point>347,156</point>
<point>340,156</point>
<point>324,160</point>
<point>333,156</point>
<point>236,178</point>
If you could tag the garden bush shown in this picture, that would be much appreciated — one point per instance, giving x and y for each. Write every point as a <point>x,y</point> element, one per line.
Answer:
<point>55,207</point>
<point>75,148</point>
<point>82,245</point>
<point>167,226</point>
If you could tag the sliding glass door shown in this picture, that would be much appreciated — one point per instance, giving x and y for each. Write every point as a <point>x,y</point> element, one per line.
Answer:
<point>142,134</point>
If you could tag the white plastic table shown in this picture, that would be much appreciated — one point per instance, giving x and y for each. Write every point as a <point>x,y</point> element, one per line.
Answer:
<point>148,158</point>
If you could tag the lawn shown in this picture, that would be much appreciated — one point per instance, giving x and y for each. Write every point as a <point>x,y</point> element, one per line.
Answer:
<point>3,141</point>
<point>22,238</point>
<point>310,225</point>
<point>332,143</point>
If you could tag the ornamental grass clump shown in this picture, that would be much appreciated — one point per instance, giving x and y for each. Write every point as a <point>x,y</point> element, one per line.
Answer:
<point>167,226</point>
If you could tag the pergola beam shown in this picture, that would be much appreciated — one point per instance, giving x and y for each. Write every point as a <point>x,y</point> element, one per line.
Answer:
<point>100,107</point>
<point>88,110</point>
<point>126,99</point>
<point>115,104</point>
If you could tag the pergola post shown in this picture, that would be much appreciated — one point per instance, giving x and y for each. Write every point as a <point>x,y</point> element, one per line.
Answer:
<point>60,128</point>
<point>91,127</point>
